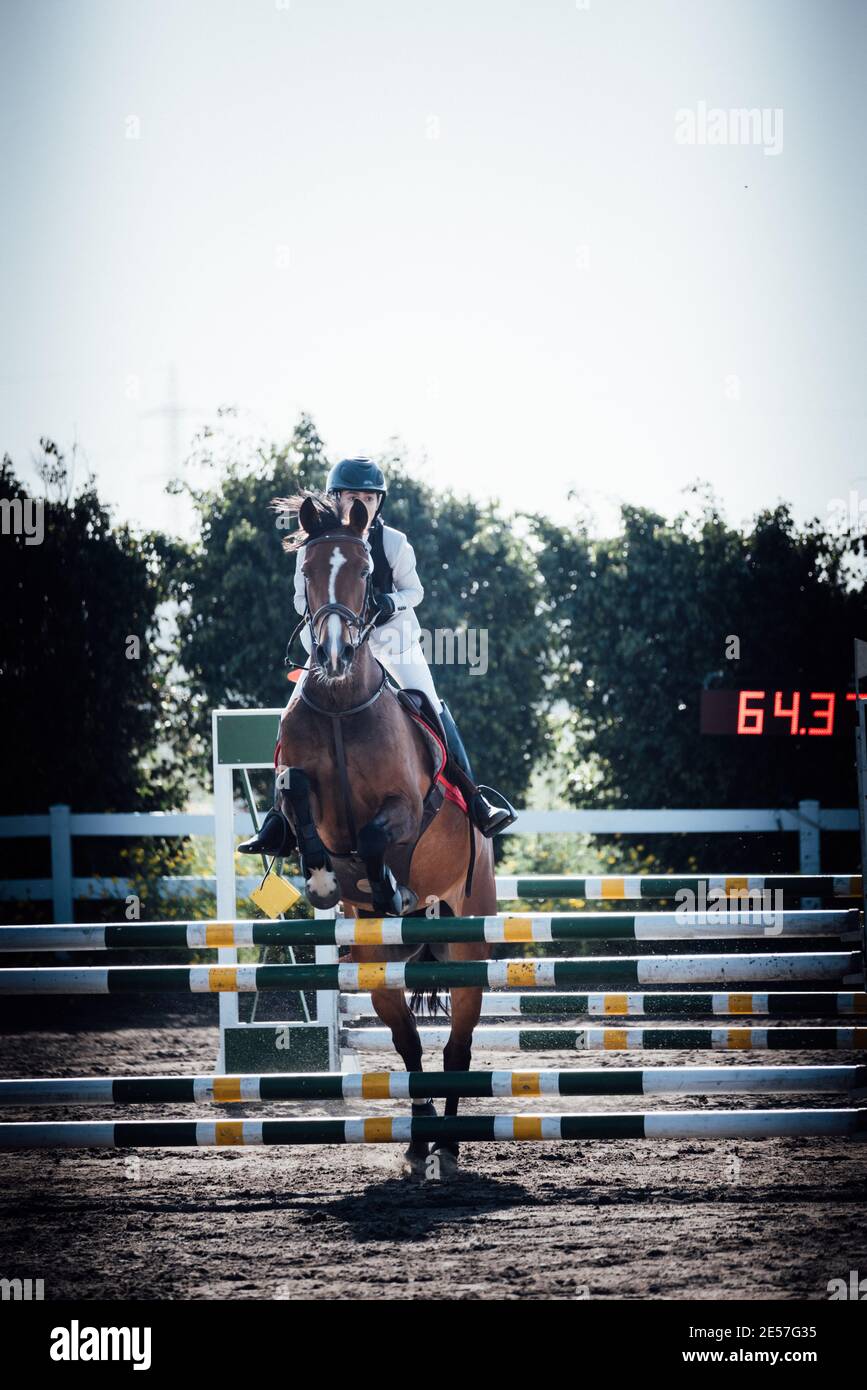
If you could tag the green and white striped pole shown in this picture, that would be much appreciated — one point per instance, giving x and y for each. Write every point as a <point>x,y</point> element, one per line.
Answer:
<point>390,1129</point>
<point>619,887</point>
<point>434,1085</point>
<point>496,974</point>
<point>558,1039</point>
<point>411,931</point>
<point>782,1004</point>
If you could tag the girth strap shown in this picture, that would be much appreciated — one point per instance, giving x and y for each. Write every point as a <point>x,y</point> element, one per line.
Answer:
<point>468,886</point>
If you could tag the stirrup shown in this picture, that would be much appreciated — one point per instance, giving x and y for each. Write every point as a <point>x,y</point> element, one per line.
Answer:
<point>489,817</point>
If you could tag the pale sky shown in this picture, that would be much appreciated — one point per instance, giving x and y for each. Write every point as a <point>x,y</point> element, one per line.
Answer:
<point>468,224</point>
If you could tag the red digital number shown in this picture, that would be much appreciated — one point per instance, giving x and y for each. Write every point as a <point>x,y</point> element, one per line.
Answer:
<point>827,714</point>
<point>750,721</point>
<point>790,714</point>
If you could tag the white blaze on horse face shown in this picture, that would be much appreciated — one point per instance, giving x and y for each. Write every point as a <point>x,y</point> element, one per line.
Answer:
<point>335,623</point>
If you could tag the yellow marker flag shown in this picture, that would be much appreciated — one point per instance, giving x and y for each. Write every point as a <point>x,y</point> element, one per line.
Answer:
<point>275,895</point>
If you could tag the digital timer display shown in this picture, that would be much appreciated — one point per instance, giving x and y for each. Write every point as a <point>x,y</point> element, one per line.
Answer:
<point>778,713</point>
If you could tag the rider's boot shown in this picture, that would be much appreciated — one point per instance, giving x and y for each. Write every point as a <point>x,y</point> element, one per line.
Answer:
<point>274,837</point>
<point>490,819</point>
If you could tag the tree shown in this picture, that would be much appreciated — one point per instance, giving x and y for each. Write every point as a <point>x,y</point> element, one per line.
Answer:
<point>86,695</point>
<point>641,623</point>
<point>234,585</point>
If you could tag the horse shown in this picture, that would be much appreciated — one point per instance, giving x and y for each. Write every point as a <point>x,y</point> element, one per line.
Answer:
<point>358,783</point>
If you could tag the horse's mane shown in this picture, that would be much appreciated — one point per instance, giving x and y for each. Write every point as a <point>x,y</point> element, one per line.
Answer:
<point>286,507</point>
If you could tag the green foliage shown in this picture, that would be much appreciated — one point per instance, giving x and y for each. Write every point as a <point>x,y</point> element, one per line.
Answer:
<point>478,575</point>
<point>234,586</point>
<point>86,723</point>
<point>640,622</point>
<point>236,589</point>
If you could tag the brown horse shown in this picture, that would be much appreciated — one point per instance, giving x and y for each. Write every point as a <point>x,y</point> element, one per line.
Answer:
<point>351,755</point>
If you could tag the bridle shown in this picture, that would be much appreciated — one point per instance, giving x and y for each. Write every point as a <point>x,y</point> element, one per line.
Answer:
<point>360,626</point>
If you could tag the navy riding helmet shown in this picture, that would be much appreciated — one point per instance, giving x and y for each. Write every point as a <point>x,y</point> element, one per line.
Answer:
<point>357,475</point>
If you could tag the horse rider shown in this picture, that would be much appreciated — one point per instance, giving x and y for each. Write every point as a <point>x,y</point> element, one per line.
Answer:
<point>394,640</point>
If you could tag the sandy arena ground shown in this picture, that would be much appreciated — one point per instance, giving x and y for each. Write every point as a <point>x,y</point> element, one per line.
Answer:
<point>639,1219</point>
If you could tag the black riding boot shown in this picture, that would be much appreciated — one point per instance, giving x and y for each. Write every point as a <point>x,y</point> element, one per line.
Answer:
<point>274,837</point>
<point>488,818</point>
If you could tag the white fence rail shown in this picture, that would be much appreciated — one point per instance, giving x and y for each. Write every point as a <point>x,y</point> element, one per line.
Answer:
<point>61,825</point>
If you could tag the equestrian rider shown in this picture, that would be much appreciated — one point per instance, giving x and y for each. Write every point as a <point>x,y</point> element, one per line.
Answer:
<point>394,639</point>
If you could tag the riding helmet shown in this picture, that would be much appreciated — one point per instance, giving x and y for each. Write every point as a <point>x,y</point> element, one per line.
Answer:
<point>356,475</point>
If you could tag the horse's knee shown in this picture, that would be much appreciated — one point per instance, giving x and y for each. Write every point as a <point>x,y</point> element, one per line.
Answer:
<point>293,792</point>
<point>390,1007</point>
<point>294,785</point>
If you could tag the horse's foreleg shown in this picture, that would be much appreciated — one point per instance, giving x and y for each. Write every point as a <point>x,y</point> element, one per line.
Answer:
<point>395,821</point>
<point>457,1055</point>
<point>466,1004</point>
<point>391,1007</point>
<point>293,789</point>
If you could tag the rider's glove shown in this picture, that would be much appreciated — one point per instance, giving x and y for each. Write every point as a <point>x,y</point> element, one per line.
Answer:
<point>387,608</point>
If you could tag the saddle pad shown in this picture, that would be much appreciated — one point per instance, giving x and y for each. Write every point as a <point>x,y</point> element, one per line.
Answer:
<point>439,755</point>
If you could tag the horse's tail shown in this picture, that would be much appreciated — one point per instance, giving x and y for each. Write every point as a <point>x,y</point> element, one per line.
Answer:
<point>428,1003</point>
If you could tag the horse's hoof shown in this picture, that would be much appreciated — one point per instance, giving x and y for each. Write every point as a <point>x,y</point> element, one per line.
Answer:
<point>445,1161</point>
<point>387,907</point>
<point>415,1164</point>
<point>408,900</point>
<point>387,899</point>
<point>323,890</point>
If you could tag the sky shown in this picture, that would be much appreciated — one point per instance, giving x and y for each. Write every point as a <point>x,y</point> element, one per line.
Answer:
<point>484,228</point>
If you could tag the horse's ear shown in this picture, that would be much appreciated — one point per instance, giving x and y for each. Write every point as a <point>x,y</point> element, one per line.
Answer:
<point>358,517</point>
<point>308,516</point>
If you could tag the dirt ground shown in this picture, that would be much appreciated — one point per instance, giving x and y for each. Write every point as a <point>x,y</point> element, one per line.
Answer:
<point>639,1219</point>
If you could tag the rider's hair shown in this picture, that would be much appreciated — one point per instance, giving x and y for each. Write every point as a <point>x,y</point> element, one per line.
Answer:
<point>290,506</point>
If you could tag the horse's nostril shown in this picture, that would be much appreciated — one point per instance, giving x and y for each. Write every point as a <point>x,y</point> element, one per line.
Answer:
<point>347,654</point>
<point>321,653</point>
